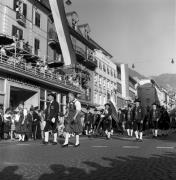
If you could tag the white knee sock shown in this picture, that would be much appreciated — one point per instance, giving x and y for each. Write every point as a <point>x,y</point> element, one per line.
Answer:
<point>140,134</point>
<point>66,138</point>
<point>108,134</point>
<point>136,134</point>
<point>55,137</point>
<point>46,136</point>
<point>128,132</point>
<point>20,137</point>
<point>156,132</point>
<point>23,136</point>
<point>77,140</point>
<point>131,132</point>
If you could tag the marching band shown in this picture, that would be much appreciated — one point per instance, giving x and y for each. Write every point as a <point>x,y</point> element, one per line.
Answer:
<point>38,124</point>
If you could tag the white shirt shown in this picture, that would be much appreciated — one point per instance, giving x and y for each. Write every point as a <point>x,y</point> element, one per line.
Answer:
<point>77,104</point>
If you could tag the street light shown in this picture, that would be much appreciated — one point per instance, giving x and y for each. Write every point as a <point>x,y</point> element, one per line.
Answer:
<point>68,2</point>
<point>172,61</point>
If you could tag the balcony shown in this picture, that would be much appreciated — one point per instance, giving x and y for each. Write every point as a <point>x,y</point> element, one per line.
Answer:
<point>24,46</point>
<point>21,19</point>
<point>13,66</point>
<point>53,41</point>
<point>85,59</point>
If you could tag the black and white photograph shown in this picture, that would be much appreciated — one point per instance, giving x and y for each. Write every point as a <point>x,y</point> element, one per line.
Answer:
<point>87,89</point>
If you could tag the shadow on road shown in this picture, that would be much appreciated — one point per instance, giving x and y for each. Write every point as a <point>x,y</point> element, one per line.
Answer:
<point>122,168</point>
<point>8,173</point>
<point>155,167</point>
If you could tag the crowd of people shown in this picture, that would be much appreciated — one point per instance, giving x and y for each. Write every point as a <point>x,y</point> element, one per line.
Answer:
<point>133,120</point>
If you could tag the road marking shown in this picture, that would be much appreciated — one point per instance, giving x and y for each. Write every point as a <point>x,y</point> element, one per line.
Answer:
<point>132,147</point>
<point>99,146</point>
<point>23,144</point>
<point>165,147</point>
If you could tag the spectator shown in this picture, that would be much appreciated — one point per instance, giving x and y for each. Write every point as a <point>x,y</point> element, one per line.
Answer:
<point>1,123</point>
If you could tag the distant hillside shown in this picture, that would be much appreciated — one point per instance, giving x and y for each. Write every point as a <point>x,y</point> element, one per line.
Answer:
<point>135,74</point>
<point>167,81</point>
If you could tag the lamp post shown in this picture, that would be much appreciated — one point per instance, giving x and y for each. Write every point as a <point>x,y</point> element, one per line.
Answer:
<point>172,61</point>
<point>68,2</point>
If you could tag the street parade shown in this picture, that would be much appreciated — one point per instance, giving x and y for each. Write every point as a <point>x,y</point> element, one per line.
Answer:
<point>132,121</point>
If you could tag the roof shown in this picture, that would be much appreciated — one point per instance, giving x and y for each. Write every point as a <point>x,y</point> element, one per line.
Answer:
<point>99,47</point>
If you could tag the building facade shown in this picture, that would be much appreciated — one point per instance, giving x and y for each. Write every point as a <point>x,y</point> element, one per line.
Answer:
<point>24,76</point>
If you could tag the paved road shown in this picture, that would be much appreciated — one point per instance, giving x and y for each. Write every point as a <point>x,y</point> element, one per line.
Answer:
<point>115,159</point>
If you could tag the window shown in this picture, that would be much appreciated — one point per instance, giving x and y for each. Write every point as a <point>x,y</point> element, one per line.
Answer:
<point>104,84</point>
<point>100,80</point>
<point>104,67</point>
<point>24,10</point>
<point>17,32</point>
<point>36,46</point>
<point>111,72</point>
<point>108,70</point>
<point>20,7</point>
<point>37,19</point>
<point>100,65</point>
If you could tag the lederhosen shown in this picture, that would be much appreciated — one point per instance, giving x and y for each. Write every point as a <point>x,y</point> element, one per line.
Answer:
<point>137,118</point>
<point>96,118</point>
<point>1,126</point>
<point>88,121</point>
<point>71,125</point>
<point>129,119</point>
<point>154,116</point>
<point>107,120</point>
<point>52,111</point>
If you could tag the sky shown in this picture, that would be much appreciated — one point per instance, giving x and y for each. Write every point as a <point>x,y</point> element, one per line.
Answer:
<point>142,32</point>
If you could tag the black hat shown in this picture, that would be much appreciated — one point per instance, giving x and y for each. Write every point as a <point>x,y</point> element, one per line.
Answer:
<point>102,110</point>
<point>52,94</point>
<point>88,108</point>
<point>137,100</point>
<point>154,104</point>
<point>129,105</point>
<point>36,108</point>
<point>31,108</point>
<point>107,104</point>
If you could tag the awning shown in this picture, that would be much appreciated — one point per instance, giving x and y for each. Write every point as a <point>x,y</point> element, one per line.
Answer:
<point>55,64</point>
<point>5,39</point>
<point>54,44</point>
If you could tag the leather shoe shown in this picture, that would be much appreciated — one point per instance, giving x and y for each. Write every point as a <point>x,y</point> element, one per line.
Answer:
<point>45,143</point>
<point>65,145</point>
<point>77,145</point>
<point>54,143</point>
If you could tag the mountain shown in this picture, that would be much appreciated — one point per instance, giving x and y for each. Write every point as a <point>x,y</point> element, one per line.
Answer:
<point>136,75</point>
<point>167,81</point>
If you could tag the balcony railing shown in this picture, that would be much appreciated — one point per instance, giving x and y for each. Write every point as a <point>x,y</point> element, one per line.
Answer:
<point>79,51</point>
<point>21,19</point>
<point>13,64</point>
<point>89,60</point>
